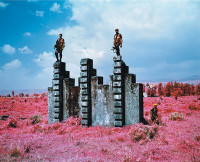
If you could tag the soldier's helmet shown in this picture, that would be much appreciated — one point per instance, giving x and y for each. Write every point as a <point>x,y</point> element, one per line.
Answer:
<point>116,29</point>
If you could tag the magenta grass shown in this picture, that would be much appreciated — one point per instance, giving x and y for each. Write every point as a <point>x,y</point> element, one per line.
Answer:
<point>27,136</point>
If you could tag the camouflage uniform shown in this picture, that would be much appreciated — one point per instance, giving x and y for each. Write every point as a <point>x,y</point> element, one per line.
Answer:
<point>59,45</point>
<point>154,113</point>
<point>117,42</point>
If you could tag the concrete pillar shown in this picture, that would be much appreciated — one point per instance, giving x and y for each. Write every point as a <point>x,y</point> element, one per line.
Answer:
<point>61,86</point>
<point>87,72</point>
<point>133,101</point>
<point>59,73</point>
<point>74,102</point>
<point>66,96</point>
<point>120,70</point>
<point>50,104</point>
<point>96,107</point>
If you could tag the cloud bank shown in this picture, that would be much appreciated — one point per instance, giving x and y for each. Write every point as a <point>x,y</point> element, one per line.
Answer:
<point>157,35</point>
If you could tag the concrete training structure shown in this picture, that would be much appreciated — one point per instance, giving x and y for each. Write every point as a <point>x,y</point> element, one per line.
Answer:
<point>117,104</point>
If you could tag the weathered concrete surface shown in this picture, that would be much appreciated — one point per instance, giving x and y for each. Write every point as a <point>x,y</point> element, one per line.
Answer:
<point>66,95</point>
<point>117,104</point>
<point>102,103</point>
<point>50,105</point>
<point>74,102</point>
<point>108,106</point>
<point>95,82</point>
<point>70,99</point>
<point>133,101</point>
<point>86,73</point>
<point>61,88</point>
<point>120,70</point>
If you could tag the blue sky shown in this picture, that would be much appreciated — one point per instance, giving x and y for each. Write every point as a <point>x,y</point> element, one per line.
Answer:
<point>161,39</point>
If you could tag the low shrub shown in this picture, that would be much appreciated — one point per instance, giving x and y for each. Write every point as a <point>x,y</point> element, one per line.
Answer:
<point>197,138</point>
<point>15,152</point>
<point>12,123</point>
<point>142,132</point>
<point>193,106</point>
<point>176,116</point>
<point>121,138</point>
<point>36,119</point>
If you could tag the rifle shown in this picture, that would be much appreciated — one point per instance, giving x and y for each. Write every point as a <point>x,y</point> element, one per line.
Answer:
<point>114,48</point>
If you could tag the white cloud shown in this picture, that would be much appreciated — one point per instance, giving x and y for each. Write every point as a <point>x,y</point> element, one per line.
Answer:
<point>25,50</point>
<point>28,34</point>
<point>90,52</point>
<point>15,76</point>
<point>39,13</point>
<point>149,28</point>
<point>8,49</point>
<point>167,70</point>
<point>12,65</point>
<point>3,5</point>
<point>55,8</point>
<point>46,59</point>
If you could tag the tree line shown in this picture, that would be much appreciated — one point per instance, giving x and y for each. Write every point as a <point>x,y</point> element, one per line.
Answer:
<point>172,89</point>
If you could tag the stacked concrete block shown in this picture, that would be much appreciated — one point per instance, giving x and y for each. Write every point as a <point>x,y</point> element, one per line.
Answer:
<point>117,104</point>
<point>120,70</point>
<point>56,96</point>
<point>87,72</point>
<point>59,72</point>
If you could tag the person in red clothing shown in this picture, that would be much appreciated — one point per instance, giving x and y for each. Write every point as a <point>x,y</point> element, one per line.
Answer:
<point>117,42</point>
<point>59,45</point>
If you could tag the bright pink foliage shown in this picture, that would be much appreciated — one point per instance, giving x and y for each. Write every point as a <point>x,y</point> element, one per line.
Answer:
<point>27,136</point>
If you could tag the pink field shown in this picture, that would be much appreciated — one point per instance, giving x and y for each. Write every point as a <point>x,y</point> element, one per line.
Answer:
<point>26,136</point>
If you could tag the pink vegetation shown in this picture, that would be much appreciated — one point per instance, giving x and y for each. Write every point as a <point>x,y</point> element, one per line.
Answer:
<point>26,136</point>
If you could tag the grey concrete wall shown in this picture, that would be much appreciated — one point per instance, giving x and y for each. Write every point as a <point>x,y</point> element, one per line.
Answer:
<point>102,103</point>
<point>96,107</point>
<point>117,104</point>
<point>133,101</point>
<point>66,95</point>
<point>74,102</point>
<point>50,105</point>
<point>108,107</point>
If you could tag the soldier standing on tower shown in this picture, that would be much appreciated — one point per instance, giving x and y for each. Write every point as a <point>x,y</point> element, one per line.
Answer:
<point>117,42</point>
<point>60,44</point>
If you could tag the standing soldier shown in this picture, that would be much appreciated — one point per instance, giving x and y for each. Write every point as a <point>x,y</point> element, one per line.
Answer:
<point>117,42</point>
<point>154,114</point>
<point>60,44</point>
